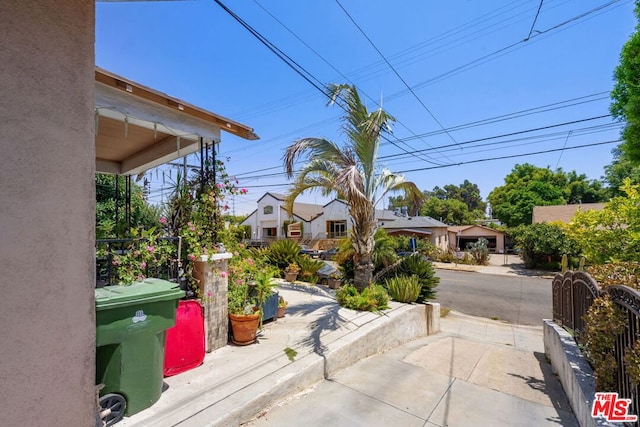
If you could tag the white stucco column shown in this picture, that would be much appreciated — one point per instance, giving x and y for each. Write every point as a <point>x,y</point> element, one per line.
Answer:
<point>47,212</point>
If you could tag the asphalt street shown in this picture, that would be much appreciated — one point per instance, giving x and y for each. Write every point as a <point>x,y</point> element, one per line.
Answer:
<point>515,299</point>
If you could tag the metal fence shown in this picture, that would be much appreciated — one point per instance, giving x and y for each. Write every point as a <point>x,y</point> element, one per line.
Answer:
<point>573,294</point>
<point>106,270</point>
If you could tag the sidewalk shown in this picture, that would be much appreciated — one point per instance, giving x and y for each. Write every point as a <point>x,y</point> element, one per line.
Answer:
<point>235,383</point>
<point>476,372</point>
<point>499,264</point>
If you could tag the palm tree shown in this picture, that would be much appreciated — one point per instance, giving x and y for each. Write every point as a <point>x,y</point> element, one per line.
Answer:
<point>350,172</point>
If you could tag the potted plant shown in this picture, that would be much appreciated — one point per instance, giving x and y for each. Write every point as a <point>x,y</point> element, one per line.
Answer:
<point>282,306</point>
<point>291,272</point>
<point>265,297</point>
<point>244,315</point>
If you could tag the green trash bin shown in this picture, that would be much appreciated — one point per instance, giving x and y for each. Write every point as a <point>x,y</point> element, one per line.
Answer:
<point>131,322</point>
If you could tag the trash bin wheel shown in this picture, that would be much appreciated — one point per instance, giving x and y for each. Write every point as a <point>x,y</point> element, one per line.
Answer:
<point>112,408</point>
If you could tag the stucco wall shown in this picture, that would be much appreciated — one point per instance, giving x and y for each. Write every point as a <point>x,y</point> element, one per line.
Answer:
<point>47,203</point>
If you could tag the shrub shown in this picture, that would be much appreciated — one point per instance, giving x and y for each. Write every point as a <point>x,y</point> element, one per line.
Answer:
<point>308,268</point>
<point>619,273</point>
<point>281,253</point>
<point>542,245</point>
<point>403,288</point>
<point>479,251</point>
<point>604,323</point>
<point>372,298</point>
<point>417,265</point>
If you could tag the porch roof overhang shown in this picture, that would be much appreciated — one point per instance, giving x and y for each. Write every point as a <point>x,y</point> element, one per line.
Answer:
<point>138,128</point>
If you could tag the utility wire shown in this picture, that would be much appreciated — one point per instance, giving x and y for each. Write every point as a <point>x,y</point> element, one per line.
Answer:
<point>516,133</point>
<point>395,71</point>
<point>305,74</point>
<point>533,153</point>
<point>336,70</point>
<point>534,21</point>
<point>512,156</point>
<point>491,120</point>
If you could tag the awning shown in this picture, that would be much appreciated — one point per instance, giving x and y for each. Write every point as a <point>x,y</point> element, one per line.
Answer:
<point>138,128</point>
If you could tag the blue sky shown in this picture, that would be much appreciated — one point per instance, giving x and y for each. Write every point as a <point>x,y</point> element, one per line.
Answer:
<point>465,61</point>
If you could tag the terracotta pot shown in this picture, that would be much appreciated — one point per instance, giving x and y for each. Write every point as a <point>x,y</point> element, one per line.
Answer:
<point>281,311</point>
<point>244,328</point>
<point>290,277</point>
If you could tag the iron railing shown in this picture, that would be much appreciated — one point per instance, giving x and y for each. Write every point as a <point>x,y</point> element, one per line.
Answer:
<point>107,248</point>
<point>573,294</point>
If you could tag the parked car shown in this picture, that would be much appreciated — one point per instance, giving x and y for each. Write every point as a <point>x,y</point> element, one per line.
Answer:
<point>308,251</point>
<point>328,272</point>
<point>329,254</point>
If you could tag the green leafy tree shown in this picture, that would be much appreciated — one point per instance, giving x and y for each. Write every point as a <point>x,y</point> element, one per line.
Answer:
<point>528,186</point>
<point>143,215</point>
<point>450,211</point>
<point>621,167</point>
<point>543,245</point>
<point>611,234</point>
<point>626,93</point>
<point>350,172</point>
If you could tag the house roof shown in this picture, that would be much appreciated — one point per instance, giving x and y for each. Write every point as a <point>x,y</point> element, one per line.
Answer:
<point>409,230</point>
<point>412,222</point>
<point>138,128</point>
<point>562,213</point>
<point>462,228</point>
<point>306,211</point>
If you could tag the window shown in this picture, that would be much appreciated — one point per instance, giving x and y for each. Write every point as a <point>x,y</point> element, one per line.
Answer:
<point>336,229</point>
<point>270,232</point>
<point>268,210</point>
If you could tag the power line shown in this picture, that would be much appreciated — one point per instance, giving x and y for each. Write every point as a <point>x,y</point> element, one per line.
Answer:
<point>335,69</point>
<point>305,74</point>
<point>516,133</point>
<point>534,21</point>
<point>395,71</point>
<point>491,120</point>
<point>512,156</point>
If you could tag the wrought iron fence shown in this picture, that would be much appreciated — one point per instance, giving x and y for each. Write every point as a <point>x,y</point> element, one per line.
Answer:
<point>106,270</point>
<point>573,294</point>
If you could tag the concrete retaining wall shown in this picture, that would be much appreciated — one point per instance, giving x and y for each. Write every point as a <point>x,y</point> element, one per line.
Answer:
<point>574,372</point>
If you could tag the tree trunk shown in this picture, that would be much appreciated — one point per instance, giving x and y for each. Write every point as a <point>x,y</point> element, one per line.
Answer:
<point>363,272</point>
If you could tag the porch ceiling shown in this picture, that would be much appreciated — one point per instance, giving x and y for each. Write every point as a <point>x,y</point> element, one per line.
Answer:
<point>138,128</point>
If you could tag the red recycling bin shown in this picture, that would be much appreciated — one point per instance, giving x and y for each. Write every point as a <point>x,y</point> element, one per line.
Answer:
<point>184,346</point>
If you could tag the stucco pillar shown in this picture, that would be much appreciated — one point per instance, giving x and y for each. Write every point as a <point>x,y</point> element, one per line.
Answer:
<point>47,212</point>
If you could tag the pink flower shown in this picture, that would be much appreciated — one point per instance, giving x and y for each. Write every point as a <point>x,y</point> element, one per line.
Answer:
<point>220,185</point>
<point>151,249</point>
<point>243,191</point>
<point>250,262</point>
<point>191,257</point>
<point>163,220</point>
<point>223,274</point>
<point>209,294</point>
<point>143,264</point>
<point>192,228</point>
<point>239,281</point>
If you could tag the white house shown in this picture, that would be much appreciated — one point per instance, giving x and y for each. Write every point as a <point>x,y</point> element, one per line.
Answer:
<point>331,221</point>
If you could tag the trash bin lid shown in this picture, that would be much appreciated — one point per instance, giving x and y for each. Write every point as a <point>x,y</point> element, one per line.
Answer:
<point>151,290</point>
